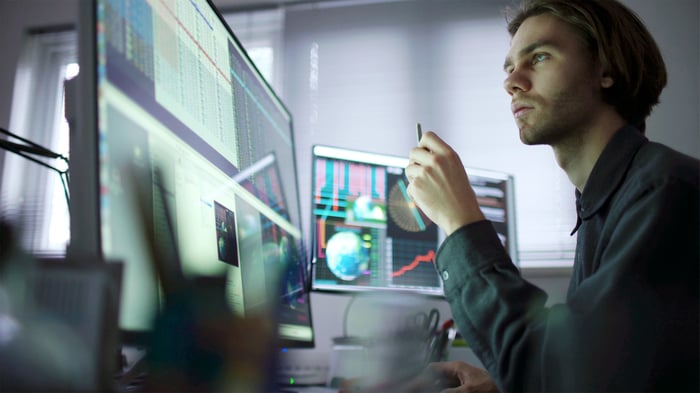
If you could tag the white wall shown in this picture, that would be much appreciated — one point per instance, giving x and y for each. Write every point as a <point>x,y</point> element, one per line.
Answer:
<point>676,27</point>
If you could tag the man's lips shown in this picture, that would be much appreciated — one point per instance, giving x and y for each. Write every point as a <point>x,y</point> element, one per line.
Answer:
<point>519,109</point>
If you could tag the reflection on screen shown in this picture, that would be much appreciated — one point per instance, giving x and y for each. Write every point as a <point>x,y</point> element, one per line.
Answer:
<point>177,92</point>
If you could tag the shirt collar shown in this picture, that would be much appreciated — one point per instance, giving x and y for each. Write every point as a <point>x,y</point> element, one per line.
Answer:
<point>608,171</point>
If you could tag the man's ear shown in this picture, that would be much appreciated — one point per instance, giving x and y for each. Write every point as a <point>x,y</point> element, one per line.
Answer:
<point>606,80</point>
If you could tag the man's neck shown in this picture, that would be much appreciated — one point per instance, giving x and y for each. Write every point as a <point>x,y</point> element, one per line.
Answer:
<point>578,154</point>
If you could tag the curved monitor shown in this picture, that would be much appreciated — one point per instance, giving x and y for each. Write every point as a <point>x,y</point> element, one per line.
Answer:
<point>166,86</point>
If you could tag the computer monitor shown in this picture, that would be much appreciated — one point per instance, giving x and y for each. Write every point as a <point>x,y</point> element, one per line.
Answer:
<point>495,193</point>
<point>165,86</point>
<point>367,233</point>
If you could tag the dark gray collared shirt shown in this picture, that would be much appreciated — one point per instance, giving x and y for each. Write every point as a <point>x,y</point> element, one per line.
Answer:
<point>630,322</point>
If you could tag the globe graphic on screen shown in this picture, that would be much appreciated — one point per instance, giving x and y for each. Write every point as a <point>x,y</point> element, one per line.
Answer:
<point>345,256</point>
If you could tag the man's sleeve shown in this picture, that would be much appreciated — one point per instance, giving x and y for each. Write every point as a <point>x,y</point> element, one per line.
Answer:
<point>629,326</point>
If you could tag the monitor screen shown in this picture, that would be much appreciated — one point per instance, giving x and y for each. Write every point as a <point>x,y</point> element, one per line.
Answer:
<point>369,235</point>
<point>495,193</point>
<point>166,86</point>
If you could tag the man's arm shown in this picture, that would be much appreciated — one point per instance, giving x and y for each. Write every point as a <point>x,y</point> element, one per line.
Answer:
<point>621,328</point>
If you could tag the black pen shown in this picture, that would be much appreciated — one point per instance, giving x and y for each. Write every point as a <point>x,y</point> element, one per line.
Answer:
<point>441,340</point>
<point>419,132</point>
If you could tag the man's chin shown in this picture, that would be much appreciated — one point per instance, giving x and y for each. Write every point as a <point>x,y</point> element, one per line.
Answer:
<point>526,136</point>
<point>531,136</point>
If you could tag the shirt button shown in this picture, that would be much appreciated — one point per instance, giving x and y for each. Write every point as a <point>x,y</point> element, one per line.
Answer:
<point>445,275</point>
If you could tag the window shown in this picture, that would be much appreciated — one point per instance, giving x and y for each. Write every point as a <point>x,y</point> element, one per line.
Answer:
<point>33,197</point>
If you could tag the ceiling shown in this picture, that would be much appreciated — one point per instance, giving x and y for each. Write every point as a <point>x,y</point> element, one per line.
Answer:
<point>232,5</point>
<point>247,3</point>
<point>250,5</point>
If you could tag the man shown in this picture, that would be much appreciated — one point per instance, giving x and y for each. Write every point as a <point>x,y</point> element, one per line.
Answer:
<point>583,77</point>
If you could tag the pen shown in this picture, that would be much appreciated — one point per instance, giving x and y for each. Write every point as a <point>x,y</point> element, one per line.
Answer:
<point>419,131</point>
<point>442,338</point>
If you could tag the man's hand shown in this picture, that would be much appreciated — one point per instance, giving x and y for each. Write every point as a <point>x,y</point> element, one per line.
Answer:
<point>461,377</point>
<point>439,185</point>
<point>452,377</point>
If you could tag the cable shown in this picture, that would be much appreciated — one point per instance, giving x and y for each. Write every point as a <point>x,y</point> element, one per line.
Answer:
<point>36,149</point>
<point>345,315</point>
<point>39,150</point>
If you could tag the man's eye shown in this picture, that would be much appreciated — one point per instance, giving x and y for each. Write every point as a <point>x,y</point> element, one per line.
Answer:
<point>539,57</point>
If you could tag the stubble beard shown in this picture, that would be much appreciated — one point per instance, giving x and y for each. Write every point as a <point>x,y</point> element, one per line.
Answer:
<point>552,121</point>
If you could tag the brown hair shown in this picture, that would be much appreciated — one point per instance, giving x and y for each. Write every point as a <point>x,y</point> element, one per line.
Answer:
<point>618,39</point>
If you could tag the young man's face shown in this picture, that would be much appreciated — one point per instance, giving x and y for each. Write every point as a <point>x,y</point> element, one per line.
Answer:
<point>552,79</point>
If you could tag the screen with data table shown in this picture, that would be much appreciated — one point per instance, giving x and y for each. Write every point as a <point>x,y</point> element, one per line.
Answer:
<point>175,93</point>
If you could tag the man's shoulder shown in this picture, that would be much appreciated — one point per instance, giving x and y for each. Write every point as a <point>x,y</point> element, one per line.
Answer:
<point>656,162</point>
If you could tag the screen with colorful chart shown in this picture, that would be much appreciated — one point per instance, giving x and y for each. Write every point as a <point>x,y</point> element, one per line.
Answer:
<point>367,233</point>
